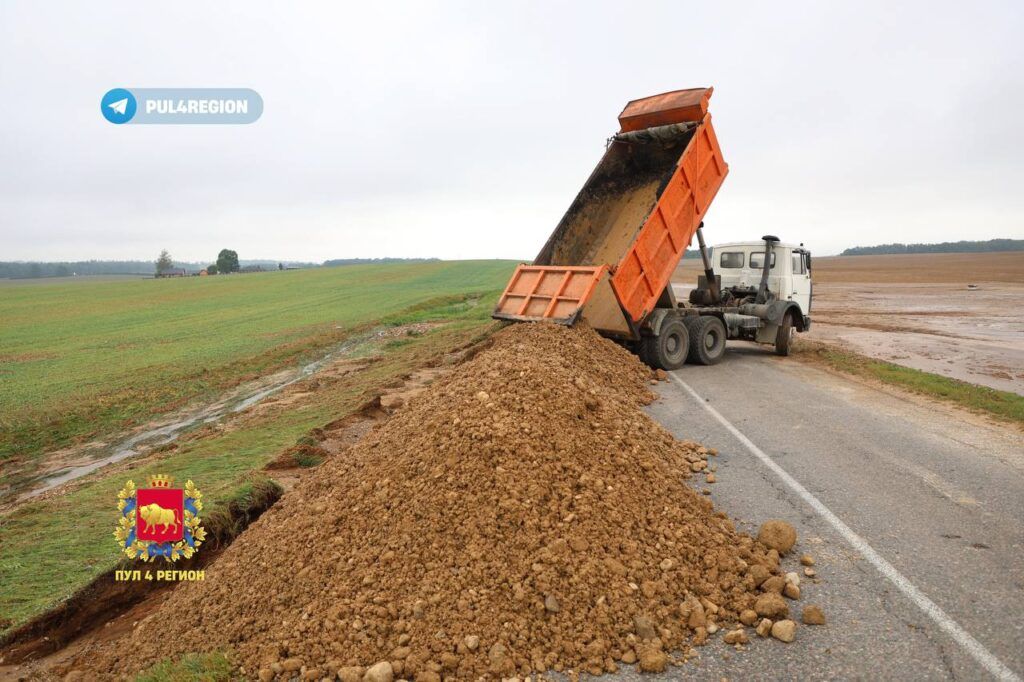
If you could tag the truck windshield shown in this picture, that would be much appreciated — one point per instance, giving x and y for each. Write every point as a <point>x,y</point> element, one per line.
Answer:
<point>732,259</point>
<point>757,261</point>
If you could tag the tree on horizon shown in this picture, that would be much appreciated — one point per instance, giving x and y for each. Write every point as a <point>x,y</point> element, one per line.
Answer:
<point>164,262</point>
<point>227,261</point>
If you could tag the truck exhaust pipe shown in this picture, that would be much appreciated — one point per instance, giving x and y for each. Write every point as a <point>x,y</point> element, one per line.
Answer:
<point>769,245</point>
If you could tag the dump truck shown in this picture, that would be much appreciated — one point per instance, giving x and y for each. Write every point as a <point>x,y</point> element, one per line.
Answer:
<point>610,259</point>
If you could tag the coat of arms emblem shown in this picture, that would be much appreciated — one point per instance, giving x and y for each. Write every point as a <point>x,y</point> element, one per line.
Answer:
<point>159,520</point>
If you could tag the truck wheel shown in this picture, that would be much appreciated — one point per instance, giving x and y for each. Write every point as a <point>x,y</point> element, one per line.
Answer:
<point>692,323</point>
<point>642,350</point>
<point>784,336</point>
<point>707,340</point>
<point>669,348</point>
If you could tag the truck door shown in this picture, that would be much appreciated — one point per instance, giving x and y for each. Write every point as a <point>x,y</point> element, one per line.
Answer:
<point>801,289</point>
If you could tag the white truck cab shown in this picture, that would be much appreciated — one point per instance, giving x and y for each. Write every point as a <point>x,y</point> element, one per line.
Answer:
<point>740,265</point>
<point>740,296</point>
<point>753,300</point>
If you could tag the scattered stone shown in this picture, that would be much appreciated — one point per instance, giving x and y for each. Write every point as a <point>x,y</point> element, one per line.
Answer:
<point>351,673</point>
<point>661,374</point>
<point>666,564</point>
<point>791,591</point>
<point>652,660</point>
<point>482,396</point>
<point>551,604</point>
<point>644,628</point>
<point>748,617</point>
<point>290,665</point>
<point>738,636</point>
<point>497,655</point>
<point>759,573</point>
<point>810,572</point>
<point>784,630</point>
<point>807,560</point>
<point>813,615</point>
<point>793,577</point>
<point>471,642</point>
<point>629,657</point>
<point>778,535</point>
<point>710,478</point>
<point>697,618</point>
<point>771,605</point>
<point>379,672</point>
<point>764,628</point>
<point>712,628</point>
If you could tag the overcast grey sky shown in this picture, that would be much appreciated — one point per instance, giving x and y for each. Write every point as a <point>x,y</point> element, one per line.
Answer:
<point>463,130</point>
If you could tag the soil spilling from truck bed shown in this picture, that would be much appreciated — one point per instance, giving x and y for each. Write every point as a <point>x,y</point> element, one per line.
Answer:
<point>521,514</point>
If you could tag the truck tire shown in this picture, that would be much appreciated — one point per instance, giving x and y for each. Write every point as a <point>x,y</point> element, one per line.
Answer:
<point>692,323</point>
<point>707,340</point>
<point>667,350</point>
<point>784,336</point>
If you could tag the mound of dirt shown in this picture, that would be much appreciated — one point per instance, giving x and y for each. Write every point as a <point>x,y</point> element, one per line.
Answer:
<point>521,514</point>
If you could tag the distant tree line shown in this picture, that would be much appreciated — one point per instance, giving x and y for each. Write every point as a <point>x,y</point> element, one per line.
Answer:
<point>944,247</point>
<point>20,270</point>
<point>35,269</point>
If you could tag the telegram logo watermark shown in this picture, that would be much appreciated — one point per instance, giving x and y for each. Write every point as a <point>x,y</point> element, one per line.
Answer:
<point>176,106</point>
<point>118,106</point>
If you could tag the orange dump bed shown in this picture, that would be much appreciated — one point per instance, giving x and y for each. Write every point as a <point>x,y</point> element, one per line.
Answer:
<point>613,253</point>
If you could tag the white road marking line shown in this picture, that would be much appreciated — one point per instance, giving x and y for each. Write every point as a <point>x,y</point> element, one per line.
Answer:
<point>973,647</point>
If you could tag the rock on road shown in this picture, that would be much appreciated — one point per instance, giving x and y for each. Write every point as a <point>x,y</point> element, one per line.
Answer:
<point>935,492</point>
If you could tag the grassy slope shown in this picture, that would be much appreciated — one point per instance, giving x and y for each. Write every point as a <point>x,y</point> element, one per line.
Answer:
<point>1002,405</point>
<point>53,547</point>
<point>81,359</point>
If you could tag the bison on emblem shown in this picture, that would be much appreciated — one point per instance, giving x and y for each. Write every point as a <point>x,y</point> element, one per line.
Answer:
<point>154,515</point>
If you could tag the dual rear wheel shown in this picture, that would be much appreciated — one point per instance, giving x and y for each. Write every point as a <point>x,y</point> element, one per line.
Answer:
<point>699,339</point>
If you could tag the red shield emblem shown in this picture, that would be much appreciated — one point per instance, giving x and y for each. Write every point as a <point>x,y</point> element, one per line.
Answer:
<point>159,514</point>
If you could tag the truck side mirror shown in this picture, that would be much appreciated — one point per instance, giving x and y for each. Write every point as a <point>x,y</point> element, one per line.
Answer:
<point>807,258</point>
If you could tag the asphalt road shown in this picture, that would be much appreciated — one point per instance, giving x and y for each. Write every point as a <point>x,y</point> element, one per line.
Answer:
<point>914,513</point>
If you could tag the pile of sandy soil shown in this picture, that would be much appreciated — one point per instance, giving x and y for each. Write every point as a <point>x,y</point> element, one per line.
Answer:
<point>522,514</point>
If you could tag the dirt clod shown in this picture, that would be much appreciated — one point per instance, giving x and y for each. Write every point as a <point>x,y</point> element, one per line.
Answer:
<point>748,617</point>
<point>784,630</point>
<point>379,672</point>
<point>813,615</point>
<point>738,636</point>
<point>807,560</point>
<point>778,535</point>
<point>652,660</point>
<point>448,533</point>
<point>771,605</point>
<point>351,673</point>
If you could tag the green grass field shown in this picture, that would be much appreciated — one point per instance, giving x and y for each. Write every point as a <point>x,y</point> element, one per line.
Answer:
<point>51,547</point>
<point>79,360</point>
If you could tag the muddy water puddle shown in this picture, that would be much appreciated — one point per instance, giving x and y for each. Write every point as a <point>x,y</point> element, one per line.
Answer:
<point>974,335</point>
<point>80,461</point>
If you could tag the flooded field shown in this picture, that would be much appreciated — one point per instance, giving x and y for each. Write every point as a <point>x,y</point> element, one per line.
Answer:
<point>957,315</point>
